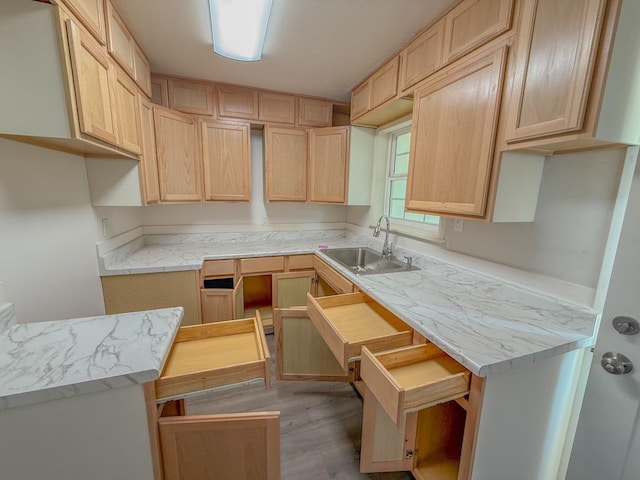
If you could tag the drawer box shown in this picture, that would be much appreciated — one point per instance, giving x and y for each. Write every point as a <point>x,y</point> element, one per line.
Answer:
<point>413,378</point>
<point>347,322</point>
<point>261,265</point>
<point>212,355</point>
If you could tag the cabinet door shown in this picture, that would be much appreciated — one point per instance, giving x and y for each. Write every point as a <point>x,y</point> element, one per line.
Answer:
<point>277,107</point>
<point>360,100</point>
<point>160,91</point>
<point>142,71</point>
<point>120,42</point>
<point>238,299</point>
<point>227,161</point>
<point>385,446</point>
<point>241,445</point>
<point>93,85</point>
<point>550,96</point>
<point>91,14</point>
<point>190,97</point>
<point>314,113</point>
<point>127,115</point>
<point>285,163</point>
<point>474,22</point>
<point>237,102</point>
<point>421,57</point>
<point>452,138</point>
<point>179,162</point>
<point>148,159</point>
<point>290,289</point>
<point>301,352</point>
<point>328,164</point>
<point>217,304</point>
<point>384,83</point>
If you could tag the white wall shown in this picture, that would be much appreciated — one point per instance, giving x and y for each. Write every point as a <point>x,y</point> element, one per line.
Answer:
<point>257,212</point>
<point>47,234</point>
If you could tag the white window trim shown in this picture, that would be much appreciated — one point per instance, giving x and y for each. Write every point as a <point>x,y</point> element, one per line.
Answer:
<point>380,196</point>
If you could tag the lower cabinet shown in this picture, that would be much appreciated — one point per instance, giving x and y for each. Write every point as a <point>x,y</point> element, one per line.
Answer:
<point>193,447</point>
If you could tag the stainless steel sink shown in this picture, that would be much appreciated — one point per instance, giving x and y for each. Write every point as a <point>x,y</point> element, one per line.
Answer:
<point>365,261</point>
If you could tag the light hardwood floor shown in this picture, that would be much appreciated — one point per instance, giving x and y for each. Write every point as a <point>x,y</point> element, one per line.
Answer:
<point>320,424</point>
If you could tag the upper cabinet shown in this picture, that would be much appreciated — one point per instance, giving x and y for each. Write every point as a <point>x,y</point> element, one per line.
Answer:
<point>550,96</point>
<point>127,113</point>
<point>227,161</point>
<point>237,102</point>
<point>189,96</point>
<point>91,14</point>
<point>120,42</point>
<point>179,160</point>
<point>328,164</point>
<point>421,57</point>
<point>314,113</point>
<point>455,120</point>
<point>383,85</point>
<point>474,22</point>
<point>286,155</point>
<point>148,160</point>
<point>142,71</point>
<point>276,107</point>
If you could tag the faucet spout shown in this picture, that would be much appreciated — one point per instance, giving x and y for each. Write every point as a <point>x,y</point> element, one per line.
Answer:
<point>387,247</point>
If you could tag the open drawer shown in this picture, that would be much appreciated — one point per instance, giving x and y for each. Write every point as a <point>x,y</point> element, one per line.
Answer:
<point>413,378</point>
<point>347,322</point>
<point>213,355</point>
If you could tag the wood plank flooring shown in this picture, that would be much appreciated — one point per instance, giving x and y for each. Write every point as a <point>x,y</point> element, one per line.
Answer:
<point>320,424</point>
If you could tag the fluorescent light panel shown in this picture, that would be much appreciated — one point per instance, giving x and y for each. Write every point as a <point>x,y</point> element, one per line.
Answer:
<point>239,27</point>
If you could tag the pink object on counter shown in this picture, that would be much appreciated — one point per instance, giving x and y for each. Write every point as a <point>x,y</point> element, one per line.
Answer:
<point>323,246</point>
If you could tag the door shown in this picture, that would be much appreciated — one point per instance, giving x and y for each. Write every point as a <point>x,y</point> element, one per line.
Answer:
<point>148,160</point>
<point>238,299</point>
<point>227,161</point>
<point>179,162</point>
<point>301,352</point>
<point>93,84</point>
<point>328,164</point>
<point>233,446</point>
<point>127,114</point>
<point>290,289</point>
<point>285,163</point>
<point>608,438</point>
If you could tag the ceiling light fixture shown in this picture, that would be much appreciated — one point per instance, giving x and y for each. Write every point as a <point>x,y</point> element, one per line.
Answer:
<point>239,27</point>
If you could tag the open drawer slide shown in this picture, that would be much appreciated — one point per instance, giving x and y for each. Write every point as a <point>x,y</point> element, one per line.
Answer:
<point>413,378</point>
<point>213,355</point>
<point>347,322</point>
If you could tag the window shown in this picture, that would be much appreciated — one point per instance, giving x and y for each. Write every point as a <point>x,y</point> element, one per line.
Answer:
<point>398,168</point>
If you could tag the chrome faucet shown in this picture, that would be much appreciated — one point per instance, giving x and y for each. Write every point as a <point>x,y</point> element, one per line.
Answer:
<point>387,247</point>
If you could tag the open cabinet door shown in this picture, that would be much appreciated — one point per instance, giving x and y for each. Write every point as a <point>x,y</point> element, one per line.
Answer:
<point>385,446</point>
<point>221,447</point>
<point>290,289</point>
<point>238,299</point>
<point>301,352</point>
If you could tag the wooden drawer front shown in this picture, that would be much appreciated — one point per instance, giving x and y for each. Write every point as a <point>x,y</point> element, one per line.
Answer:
<point>347,322</point>
<point>314,113</point>
<point>413,378</point>
<point>214,268</point>
<point>261,264</point>
<point>237,102</point>
<point>474,22</point>
<point>212,355</point>
<point>300,262</point>
<point>277,107</point>
<point>333,278</point>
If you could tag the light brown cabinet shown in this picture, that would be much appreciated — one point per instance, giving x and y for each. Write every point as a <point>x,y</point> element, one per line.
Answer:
<point>227,161</point>
<point>550,96</point>
<point>91,14</point>
<point>285,161</point>
<point>381,86</point>
<point>142,71</point>
<point>188,96</point>
<point>237,102</point>
<point>276,107</point>
<point>421,57</point>
<point>179,156</point>
<point>148,158</point>
<point>127,113</point>
<point>314,113</point>
<point>328,164</point>
<point>93,79</point>
<point>120,42</point>
<point>453,136</point>
<point>474,22</point>
<point>160,91</point>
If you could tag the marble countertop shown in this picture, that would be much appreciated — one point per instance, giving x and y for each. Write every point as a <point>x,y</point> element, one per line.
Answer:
<point>45,361</point>
<point>487,324</point>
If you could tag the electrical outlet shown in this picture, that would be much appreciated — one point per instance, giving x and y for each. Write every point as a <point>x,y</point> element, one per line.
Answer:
<point>458,225</point>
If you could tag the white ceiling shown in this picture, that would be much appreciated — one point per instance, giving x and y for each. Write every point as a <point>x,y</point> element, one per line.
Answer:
<point>314,47</point>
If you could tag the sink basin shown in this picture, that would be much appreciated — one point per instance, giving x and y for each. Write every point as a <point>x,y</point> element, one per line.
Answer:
<point>365,261</point>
